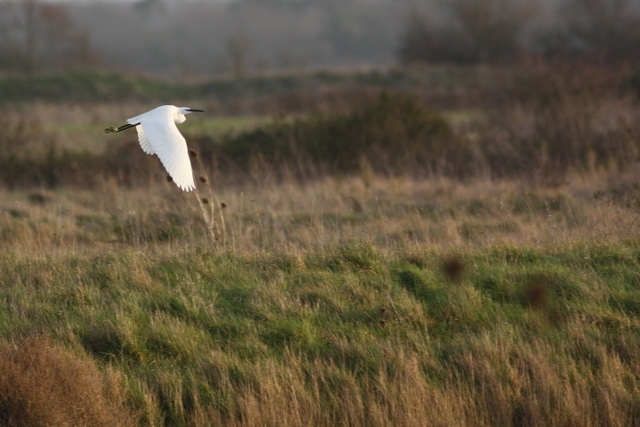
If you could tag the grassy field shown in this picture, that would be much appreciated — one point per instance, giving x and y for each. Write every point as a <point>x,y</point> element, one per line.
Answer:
<point>504,291</point>
<point>363,301</point>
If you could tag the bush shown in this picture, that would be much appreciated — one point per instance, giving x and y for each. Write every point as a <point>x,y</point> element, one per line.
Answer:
<point>480,31</point>
<point>559,117</point>
<point>390,133</point>
<point>43,385</point>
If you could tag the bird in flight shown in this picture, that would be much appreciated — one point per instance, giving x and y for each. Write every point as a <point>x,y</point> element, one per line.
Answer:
<point>158,134</point>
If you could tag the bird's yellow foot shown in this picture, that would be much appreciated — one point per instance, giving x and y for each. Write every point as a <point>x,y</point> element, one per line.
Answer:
<point>112,129</point>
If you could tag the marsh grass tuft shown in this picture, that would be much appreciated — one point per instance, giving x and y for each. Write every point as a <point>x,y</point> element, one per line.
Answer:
<point>44,384</point>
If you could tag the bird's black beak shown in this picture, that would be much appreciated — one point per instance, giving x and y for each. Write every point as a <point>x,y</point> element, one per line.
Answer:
<point>191,110</point>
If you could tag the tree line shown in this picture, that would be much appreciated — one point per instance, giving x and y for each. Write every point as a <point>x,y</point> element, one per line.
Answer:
<point>244,37</point>
<point>490,31</point>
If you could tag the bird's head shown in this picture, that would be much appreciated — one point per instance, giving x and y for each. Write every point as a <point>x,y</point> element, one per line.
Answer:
<point>186,110</point>
<point>182,111</point>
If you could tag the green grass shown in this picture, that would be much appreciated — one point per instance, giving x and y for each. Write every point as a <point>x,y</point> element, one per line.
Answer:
<point>100,86</point>
<point>200,331</point>
<point>82,86</point>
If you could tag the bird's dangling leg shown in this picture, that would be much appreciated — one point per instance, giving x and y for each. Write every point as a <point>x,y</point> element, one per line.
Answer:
<point>114,129</point>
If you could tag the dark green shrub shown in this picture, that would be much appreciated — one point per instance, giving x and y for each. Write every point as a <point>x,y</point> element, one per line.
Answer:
<point>391,133</point>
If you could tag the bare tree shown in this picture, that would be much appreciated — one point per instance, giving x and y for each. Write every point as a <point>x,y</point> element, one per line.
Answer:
<point>239,47</point>
<point>425,42</point>
<point>478,31</point>
<point>609,29</point>
<point>493,28</point>
<point>37,36</point>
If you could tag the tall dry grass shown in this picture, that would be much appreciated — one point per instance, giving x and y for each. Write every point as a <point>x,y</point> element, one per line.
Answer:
<point>481,387</point>
<point>393,213</point>
<point>42,384</point>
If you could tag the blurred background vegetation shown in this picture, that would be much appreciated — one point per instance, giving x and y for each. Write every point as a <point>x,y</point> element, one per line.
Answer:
<point>176,39</point>
<point>535,120</point>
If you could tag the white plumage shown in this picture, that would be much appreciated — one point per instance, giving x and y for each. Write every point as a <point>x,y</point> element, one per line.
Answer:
<point>158,134</point>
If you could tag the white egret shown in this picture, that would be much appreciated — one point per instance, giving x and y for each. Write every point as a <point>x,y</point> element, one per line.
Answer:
<point>158,134</point>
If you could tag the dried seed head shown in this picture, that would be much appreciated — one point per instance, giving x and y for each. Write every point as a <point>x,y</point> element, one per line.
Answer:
<point>537,296</point>
<point>223,205</point>
<point>383,310</point>
<point>453,268</point>
<point>205,200</point>
<point>536,293</point>
<point>203,179</point>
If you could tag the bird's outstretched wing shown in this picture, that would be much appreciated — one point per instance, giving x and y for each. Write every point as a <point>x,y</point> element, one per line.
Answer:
<point>144,141</point>
<point>160,135</point>
<point>142,137</point>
